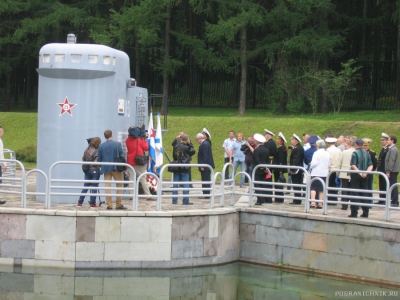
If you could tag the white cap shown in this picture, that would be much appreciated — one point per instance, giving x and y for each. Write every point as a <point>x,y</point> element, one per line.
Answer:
<point>385,136</point>
<point>206,132</point>
<point>282,137</point>
<point>259,138</point>
<point>331,140</point>
<point>269,132</point>
<point>296,137</point>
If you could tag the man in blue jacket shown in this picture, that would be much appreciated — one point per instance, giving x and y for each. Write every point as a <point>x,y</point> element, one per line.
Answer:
<point>108,153</point>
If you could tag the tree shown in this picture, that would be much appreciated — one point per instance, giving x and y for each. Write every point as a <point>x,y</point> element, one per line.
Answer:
<point>337,85</point>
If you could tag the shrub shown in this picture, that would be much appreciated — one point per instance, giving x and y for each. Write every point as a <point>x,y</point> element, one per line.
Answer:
<point>26,154</point>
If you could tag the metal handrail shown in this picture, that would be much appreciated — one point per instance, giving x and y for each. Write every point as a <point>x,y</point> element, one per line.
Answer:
<point>22,179</point>
<point>50,180</point>
<point>269,186</point>
<point>23,204</point>
<point>211,182</point>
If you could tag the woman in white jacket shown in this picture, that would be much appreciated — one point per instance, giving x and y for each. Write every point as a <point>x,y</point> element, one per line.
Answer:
<point>319,168</point>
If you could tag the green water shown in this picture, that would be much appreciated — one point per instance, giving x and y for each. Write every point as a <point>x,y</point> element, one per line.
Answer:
<point>233,281</point>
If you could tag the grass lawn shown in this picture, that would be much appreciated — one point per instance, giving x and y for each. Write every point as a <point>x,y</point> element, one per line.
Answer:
<point>21,127</point>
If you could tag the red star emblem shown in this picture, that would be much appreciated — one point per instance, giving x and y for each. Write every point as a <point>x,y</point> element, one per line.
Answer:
<point>66,107</point>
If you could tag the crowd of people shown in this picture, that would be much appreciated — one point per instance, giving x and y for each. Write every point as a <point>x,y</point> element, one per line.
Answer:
<point>316,155</point>
<point>319,157</point>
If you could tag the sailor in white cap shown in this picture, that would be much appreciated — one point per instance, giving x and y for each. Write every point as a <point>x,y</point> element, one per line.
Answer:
<point>336,154</point>
<point>207,135</point>
<point>296,159</point>
<point>261,157</point>
<point>280,159</point>
<point>205,156</point>
<point>381,166</point>
<point>270,145</point>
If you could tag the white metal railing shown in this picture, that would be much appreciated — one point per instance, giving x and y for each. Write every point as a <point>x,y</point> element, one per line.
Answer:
<point>51,180</point>
<point>161,183</point>
<point>11,164</point>
<point>227,187</point>
<point>16,183</point>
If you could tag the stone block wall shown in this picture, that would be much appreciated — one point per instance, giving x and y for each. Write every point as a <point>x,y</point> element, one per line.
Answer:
<point>101,239</point>
<point>351,247</point>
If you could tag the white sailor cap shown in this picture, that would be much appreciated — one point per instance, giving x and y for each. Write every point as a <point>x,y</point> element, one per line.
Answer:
<point>384,136</point>
<point>206,132</point>
<point>259,138</point>
<point>296,137</point>
<point>331,140</point>
<point>269,132</point>
<point>367,141</point>
<point>282,137</point>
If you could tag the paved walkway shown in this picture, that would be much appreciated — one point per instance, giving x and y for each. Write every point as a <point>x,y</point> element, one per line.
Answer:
<point>14,200</point>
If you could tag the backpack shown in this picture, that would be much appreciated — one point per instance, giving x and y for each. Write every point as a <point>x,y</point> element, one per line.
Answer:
<point>85,167</point>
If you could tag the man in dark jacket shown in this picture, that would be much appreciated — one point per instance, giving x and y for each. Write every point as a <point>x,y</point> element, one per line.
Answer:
<point>261,157</point>
<point>205,156</point>
<point>183,151</point>
<point>281,160</point>
<point>381,165</point>
<point>392,168</point>
<point>296,159</point>
<point>270,145</point>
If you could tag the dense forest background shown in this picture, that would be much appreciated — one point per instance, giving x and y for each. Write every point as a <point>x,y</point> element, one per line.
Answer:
<point>289,56</point>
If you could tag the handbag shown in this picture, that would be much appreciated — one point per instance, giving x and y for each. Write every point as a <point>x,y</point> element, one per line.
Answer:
<point>174,169</point>
<point>183,160</point>
<point>140,159</point>
<point>120,160</point>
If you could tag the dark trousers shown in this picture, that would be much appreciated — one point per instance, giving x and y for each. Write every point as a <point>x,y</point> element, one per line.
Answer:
<point>382,187</point>
<point>206,176</point>
<point>278,193</point>
<point>262,199</point>
<point>358,182</point>
<point>1,181</point>
<point>227,169</point>
<point>345,184</point>
<point>370,186</point>
<point>249,170</point>
<point>332,183</point>
<point>395,192</point>
<point>297,179</point>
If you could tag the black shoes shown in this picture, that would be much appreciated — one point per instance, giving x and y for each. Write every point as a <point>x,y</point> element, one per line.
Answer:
<point>204,197</point>
<point>188,203</point>
<point>352,216</point>
<point>120,207</point>
<point>364,215</point>
<point>3,202</point>
<point>258,203</point>
<point>109,207</point>
<point>295,203</point>
<point>394,205</point>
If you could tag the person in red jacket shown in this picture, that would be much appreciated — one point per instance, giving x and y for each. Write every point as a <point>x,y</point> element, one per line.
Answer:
<point>136,144</point>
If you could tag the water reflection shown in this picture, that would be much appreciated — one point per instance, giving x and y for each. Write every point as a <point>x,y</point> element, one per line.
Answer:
<point>233,281</point>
